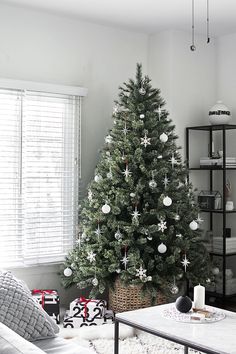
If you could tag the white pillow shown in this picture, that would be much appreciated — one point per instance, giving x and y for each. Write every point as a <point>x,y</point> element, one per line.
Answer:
<point>21,313</point>
<point>12,343</point>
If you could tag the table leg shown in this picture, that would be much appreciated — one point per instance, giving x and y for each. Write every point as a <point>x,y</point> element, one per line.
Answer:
<point>185,349</point>
<point>116,343</point>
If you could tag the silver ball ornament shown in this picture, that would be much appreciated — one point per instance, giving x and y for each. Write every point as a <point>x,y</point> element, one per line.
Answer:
<point>174,289</point>
<point>97,178</point>
<point>67,272</point>
<point>95,282</point>
<point>142,91</point>
<point>164,137</point>
<point>193,225</point>
<point>106,209</point>
<point>215,271</point>
<point>162,248</point>
<point>152,183</point>
<point>167,201</point>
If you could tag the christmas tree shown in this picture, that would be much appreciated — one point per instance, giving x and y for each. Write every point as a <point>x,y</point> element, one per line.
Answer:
<point>139,221</point>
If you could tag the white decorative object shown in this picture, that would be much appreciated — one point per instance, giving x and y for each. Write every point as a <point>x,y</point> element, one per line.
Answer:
<point>162,248</point>
<point>190,317</point>
<point>97,178</point>
<point>219,114</point>
<point>229,205</point>
<point>164,137</point>
<point>106,208</point>
<point>199,297</point>
<point>67,272</point>
<point>167,201</point>
<point>193,225</point>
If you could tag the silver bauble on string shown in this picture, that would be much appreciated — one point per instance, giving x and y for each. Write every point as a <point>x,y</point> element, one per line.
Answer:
<point>142,91</point>
<point>193,225</point>
<point>67,272</point>
<point>174,289</point>
<point>106,209</point>
<point>95,282</point>
<point>152,183</point>
<point>97,178</point>
<point>162,248</point>
<point>167,201</point>
<point>164,137</point>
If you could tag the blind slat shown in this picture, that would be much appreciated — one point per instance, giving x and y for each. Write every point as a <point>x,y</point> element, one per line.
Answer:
<point>38,177</point>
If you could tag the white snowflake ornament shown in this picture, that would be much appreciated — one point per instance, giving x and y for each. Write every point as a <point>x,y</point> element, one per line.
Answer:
<point>108,139</point>
<point>145,141</point>
<point>141,273</point>
<point>162,226</point>
<point>135,213</point>
<point>91,256</point>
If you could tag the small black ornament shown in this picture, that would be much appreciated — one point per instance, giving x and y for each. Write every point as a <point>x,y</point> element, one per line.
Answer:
<point>193,48</point>
<point>183,304</point>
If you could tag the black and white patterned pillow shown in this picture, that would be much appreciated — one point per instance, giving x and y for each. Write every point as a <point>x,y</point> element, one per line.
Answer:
<point>21,313</point>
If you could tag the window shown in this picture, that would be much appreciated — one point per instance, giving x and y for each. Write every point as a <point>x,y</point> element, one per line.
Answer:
<point>39,173</point>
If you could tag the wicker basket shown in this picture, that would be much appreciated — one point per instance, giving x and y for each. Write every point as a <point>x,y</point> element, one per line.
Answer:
<point>127,298</point>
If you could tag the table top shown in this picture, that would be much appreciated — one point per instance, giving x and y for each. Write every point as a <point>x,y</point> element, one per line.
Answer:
<point>217,337</point>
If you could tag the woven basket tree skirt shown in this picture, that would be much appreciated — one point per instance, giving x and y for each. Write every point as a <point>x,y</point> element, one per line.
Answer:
<point>126,298</point>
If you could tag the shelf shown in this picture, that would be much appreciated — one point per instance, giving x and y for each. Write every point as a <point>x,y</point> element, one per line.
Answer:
<point>211,168</point>
<point>219,211</point>
<point>222,255</point>
<point>213,127</point>
<point>215,294</point>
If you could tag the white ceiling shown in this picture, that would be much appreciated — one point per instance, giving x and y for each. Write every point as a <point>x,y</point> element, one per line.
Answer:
<point>147,16</point>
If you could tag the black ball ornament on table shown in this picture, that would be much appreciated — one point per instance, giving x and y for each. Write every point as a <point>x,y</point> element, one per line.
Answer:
<point>183,304</point>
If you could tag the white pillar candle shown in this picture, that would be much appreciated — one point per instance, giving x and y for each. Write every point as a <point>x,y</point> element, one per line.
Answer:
<point>199,297</point>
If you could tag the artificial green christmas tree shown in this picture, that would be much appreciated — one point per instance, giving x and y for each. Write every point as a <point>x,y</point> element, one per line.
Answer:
<point>140,221</point>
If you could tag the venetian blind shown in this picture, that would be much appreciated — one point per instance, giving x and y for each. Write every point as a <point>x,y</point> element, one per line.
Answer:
<point>39,173</point>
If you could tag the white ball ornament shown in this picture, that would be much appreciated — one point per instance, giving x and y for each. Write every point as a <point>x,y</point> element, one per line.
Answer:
<point>106,209</point>
<point>142,116</point>
<point>97,178</point>
<point>67,272</point>
<point>95,282</point>
<point>167,201</point>
<point>164,137</point>
<point>132,195</point>
<point>215,271</point>
<point>193,225</point>
<point>162,248</point>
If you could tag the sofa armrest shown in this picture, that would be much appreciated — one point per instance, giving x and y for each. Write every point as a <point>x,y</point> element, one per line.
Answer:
<point>13,343</point>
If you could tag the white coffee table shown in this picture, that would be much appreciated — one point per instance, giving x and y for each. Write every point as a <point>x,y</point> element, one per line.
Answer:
<point>212,338</point>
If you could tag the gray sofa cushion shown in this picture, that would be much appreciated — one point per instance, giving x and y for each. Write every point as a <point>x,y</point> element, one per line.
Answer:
<point>21,313</point>
<point>12,343</point>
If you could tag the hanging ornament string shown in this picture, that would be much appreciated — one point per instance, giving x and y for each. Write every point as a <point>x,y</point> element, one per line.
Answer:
<point>208,23</point>
<point>192,47</point>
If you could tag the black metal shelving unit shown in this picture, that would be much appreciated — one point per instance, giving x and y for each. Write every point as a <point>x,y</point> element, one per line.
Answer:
<point>210,129</point>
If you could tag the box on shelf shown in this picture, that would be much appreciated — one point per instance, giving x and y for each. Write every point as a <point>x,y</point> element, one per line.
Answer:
<point>209,200</point>
<point>50,302</point>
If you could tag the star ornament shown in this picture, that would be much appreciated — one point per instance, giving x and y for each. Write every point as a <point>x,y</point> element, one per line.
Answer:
<point>98,231</point>
<point>124,261</point>
<point>91,256</point>
<point>162,226</point>
<point>135,214</point>
<point>125,130</point>
<point>173,161</point>
<point>145,141</point>
<point>166,181</point>
<point>185,263</point>
<point>127,172</point>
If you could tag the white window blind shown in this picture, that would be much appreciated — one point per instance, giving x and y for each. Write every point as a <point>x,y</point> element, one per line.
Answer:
<point>39,173</point>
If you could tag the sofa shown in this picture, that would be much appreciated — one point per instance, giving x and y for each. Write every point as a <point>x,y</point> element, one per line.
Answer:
<point>25,328</point>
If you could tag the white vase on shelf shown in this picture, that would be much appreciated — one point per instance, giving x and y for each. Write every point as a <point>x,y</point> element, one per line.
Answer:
<point>219,114</point>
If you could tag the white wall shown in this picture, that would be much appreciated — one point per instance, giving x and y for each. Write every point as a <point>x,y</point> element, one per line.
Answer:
<point>40,47</point>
